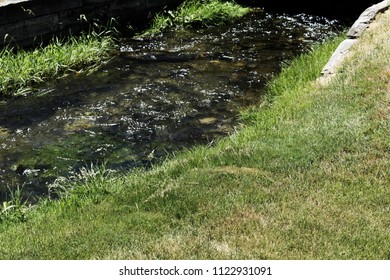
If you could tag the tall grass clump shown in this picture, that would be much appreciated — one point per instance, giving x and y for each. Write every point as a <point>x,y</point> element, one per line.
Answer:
<point>21,69</point>
<point>197,13</point>
<point>89,184</point>
<point>14,209</point>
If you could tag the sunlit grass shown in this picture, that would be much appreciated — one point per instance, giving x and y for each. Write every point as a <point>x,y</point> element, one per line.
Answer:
<point>21,69</point>
<point>14,208</point>
<point>197,13</point>
<point>305,177</point>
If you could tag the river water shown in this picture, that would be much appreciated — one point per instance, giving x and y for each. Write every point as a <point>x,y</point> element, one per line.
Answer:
<point>156,96</point>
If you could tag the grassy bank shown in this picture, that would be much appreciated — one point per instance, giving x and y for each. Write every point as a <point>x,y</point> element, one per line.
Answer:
<point>196,13</point>
<point>22,69</point>
<point>306,177</point>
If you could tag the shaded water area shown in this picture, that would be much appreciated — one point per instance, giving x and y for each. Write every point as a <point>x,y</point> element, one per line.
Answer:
<point>156,96</point>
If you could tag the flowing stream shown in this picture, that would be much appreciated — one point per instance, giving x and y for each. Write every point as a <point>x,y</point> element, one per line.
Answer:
<point>156,96</point>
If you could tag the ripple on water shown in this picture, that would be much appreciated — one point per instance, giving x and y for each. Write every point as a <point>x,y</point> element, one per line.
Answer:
<point>159,95</point>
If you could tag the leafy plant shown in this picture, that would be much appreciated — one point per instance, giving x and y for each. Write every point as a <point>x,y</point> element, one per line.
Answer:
<point>15,209</point>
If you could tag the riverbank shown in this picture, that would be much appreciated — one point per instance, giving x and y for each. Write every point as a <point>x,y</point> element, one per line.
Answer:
<point>306,177</point>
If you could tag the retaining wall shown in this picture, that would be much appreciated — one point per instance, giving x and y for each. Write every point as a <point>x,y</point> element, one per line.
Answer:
<point>29,21</point>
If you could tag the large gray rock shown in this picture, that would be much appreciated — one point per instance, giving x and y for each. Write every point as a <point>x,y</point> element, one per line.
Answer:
<point>337,57</point>
<point>366,18</point>
<point>354,33</point>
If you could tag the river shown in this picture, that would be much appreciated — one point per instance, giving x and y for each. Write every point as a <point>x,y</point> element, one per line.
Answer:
<point>154,97</point>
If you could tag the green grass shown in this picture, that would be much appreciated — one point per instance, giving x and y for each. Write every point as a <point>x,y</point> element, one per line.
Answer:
<point>196,13</point>
<point>20,69</point>
<point>14,209</point>
<point>305,177</point>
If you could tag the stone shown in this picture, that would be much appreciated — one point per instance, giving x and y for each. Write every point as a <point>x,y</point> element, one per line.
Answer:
<point>357,29</point>
<point>338,56</point>
<point>366,18</point>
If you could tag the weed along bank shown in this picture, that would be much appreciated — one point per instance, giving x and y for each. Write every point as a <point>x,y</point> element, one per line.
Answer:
<point>27,21</point>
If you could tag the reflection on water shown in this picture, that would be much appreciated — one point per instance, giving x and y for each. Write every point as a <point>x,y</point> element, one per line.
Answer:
<point>156,96</point>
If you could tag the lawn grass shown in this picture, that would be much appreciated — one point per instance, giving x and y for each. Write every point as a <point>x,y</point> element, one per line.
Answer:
<point>20,69</point>
<point>305,177</point>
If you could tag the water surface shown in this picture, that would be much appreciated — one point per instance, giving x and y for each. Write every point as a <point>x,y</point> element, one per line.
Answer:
<point>156,96</point>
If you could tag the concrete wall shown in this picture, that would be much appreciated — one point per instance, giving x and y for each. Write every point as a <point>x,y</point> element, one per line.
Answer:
<point>26,22</point>
<point>29,21</point>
